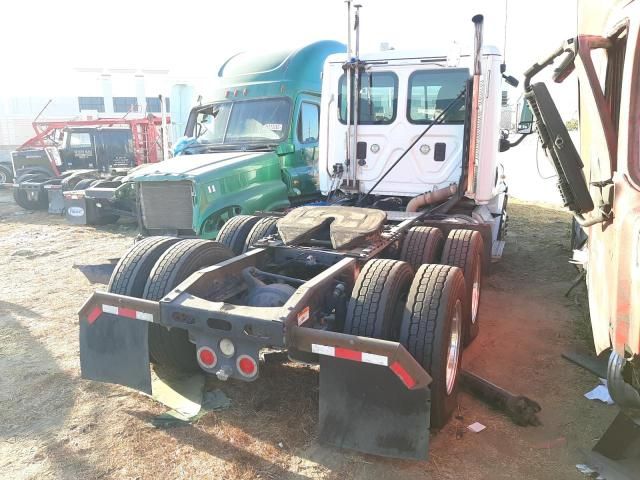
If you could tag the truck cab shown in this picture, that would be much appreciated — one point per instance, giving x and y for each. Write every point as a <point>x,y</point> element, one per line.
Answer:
<point>252,146</point>
<point>401,94</point>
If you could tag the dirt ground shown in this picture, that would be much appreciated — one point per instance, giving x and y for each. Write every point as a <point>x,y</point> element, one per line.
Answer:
<point>55,425</point>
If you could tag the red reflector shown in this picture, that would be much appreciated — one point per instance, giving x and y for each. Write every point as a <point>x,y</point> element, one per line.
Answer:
<point>126,312</point>
<point>348,354</point>
<point>403,374</point>
<point>247,366</point>
<point>93,315</point>
<point>207,357</point>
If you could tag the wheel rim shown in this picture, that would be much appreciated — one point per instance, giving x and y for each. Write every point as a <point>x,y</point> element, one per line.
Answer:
<point>3,177</point>
<point>475,292</point>
<point>453,352</point>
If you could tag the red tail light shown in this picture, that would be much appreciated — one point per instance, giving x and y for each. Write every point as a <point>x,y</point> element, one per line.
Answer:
<point>207,357</point>
<point>247,366</point>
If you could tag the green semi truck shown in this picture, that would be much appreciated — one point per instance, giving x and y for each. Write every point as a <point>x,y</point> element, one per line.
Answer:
<point>253,146</point>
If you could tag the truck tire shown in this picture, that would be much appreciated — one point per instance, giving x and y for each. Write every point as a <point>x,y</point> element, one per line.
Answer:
<point>465,249</point>
<point>625,395</point>
<point>6,174</point>
<point>71,181</point>
<point>377,299</point>
<point>167,347</point>
<point>263,227</point>
<point>431,331</point>
<point>235,231</point>
<point>132,271</point>
<point>422,245</point>
<point>21,198</point>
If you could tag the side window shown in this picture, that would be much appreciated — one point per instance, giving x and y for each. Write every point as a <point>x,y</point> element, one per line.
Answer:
<point>308,123</point>
<point>431,91</point>
<point>79,139</point>
<point>378,98</point>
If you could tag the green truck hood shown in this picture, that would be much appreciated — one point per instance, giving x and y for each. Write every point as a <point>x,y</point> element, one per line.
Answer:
<point>200,167</point>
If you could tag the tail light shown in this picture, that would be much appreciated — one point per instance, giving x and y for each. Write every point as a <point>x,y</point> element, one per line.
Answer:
<point>247,366</point>
<point>207,357</point>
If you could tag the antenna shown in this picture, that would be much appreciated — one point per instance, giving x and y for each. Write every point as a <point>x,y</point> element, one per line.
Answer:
<point>504,44</point>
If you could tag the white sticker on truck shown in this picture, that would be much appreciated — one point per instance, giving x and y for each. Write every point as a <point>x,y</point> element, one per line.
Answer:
<point>75,211</point>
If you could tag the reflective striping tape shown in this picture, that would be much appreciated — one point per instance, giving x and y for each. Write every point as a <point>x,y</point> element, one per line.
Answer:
<point>110,309</point>
<point>147,317</point>
<point>403,375</point>
<point>323,350</point>
<point>375,359</point>
<point>348,354</point>
<point>94,314</point>
<point>126,312</point>
<point>120,311</point>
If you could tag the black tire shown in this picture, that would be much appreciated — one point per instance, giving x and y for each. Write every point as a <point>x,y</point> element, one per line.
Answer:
<point>71,182</point>
<point>6,174</point>
<point>465,249</point>
<point>172,348</point>
<point>625,395</point>
<point>262,228</point>
<point>133,269</point>
<point>235,231</point>
<point>422,245</point>
<point>436,296</point>
<point>21,197</point>
<point>377,299</point>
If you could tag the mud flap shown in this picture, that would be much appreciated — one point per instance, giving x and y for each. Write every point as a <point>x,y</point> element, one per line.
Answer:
<point>366,407</point>
<point>114,349</point>
<point>100,273</point>
<point>617,453</point>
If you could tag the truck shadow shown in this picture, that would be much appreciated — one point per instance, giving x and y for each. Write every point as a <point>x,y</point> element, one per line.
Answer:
<point>270,420</point>
<point>37,398</point>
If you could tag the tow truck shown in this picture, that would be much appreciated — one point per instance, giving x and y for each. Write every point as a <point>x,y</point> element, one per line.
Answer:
<point>66,155</point>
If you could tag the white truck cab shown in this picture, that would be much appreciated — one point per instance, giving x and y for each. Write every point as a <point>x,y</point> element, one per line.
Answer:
<point>400,94</point>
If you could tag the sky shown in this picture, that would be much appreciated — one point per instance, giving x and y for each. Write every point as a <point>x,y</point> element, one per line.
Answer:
<point>43,41</point>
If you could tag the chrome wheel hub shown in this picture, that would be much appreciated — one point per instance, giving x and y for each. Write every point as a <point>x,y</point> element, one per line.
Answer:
<point>453,352</point>
<point>475,291</point>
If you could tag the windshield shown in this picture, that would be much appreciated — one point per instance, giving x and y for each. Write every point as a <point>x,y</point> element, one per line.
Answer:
<point>248,121</point>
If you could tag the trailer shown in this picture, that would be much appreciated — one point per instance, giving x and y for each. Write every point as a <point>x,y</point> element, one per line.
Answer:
<point>379,284</point>
<point>74,155</point>
<point>606,57</point>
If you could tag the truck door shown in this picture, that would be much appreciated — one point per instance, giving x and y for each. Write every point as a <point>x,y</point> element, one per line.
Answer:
<point>303,165</point>
<point>79,150</point>
<point>396,105</point>
<point>114,147</point>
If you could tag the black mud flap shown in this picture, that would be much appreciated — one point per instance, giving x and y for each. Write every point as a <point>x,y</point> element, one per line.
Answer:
<point>100,273</point>
<point>617,453</point>
<point>366,407</point>
<point>114,349</point>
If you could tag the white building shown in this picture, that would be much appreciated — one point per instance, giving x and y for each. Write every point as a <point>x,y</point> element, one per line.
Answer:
<point>88,92</point>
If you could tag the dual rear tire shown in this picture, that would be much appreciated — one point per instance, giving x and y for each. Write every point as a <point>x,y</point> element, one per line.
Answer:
<point>152,268</point>
<point>422,312</point>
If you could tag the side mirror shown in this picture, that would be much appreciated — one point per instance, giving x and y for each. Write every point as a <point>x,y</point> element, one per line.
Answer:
<point>285,149</point>
<point>524,122</point>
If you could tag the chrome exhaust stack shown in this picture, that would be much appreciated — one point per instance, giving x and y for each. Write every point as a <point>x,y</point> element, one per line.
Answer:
<point>474,137</point>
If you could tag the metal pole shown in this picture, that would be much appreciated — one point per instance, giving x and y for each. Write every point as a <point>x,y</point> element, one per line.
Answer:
<point>474,137</point>
<point>165,138</point>
<point>348,99</point>
<point>356,94</point>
